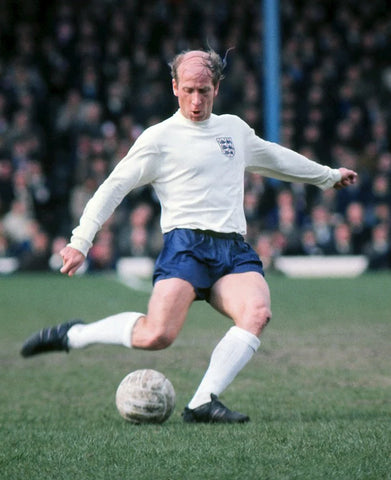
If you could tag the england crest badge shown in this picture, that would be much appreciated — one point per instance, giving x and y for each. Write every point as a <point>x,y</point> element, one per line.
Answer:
<point>226,145</point>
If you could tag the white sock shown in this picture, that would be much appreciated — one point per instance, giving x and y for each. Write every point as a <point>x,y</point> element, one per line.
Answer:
<point>230,355</point>
<point>114,330</point>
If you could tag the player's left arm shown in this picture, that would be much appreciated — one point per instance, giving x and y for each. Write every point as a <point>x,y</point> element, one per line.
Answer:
<point>276,161</point>
<point>348,177</point>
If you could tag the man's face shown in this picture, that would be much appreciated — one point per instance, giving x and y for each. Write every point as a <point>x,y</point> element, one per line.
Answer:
<point>195,89</point>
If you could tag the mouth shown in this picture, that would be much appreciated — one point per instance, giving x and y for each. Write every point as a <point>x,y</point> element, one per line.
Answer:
<point>197,114</point>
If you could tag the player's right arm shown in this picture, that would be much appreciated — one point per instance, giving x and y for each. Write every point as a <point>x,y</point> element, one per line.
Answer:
<point>72,260</point>
<point>137,168</point>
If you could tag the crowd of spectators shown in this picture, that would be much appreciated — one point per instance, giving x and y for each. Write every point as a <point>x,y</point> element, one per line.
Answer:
<point>80,82</point>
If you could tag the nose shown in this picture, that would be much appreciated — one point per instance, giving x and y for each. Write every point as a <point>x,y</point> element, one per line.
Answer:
<point>196,99</point>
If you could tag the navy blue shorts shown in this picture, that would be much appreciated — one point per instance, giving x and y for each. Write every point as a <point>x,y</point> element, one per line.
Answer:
<point>202,257</point>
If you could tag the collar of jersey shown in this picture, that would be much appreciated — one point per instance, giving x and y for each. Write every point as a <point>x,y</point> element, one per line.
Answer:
<point>186,121</point>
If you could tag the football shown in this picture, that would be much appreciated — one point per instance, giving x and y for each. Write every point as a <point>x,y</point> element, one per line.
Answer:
<point>145,396</point>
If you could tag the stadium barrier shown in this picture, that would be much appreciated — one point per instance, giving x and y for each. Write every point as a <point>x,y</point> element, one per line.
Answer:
<point>322,266</point>
<point>8,265</point>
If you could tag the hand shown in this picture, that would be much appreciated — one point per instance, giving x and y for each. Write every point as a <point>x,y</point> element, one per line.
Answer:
<point>348,177</point>
<point>72,260</point>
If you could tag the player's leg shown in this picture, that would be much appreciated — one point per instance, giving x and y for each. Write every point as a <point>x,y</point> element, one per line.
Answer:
<point>245,298</point>
<point>168,307</point>
<point>167,311</point>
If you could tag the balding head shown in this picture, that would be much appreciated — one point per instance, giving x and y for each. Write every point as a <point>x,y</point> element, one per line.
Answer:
<point>209,62</point>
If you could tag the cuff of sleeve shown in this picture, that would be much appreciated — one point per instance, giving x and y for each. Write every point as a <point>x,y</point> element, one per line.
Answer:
<point>80,244</point>
<point>332,179</point>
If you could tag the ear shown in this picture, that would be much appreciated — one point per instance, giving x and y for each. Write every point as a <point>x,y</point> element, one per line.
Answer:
<point>175,87</point>
<point>216,90</point>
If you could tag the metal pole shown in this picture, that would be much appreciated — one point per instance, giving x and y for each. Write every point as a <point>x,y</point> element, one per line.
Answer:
<point>271,63</point>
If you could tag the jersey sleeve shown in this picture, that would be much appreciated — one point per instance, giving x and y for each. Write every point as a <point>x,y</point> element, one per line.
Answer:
<point>139,167</point>
<point>275,161</point>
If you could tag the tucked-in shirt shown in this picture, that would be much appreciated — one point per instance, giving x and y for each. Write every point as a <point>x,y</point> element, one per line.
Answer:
<point>197,171</point>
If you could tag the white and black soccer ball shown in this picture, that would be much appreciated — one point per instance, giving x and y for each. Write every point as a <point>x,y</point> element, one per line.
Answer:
<point>145,396</point>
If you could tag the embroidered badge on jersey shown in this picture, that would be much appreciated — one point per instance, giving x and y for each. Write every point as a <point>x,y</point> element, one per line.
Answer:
<point>226,145</point>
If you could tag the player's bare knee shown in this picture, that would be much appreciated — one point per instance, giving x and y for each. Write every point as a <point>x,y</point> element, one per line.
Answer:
<point>259,317</point>
<point>159,341</point>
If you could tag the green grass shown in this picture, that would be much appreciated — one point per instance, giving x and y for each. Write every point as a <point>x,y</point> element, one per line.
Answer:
<point>318,391</point>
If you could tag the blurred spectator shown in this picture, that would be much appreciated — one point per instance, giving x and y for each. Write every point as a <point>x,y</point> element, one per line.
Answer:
<point>384,164</point>
<point>288,227</point>
<point>360,232</point>
<point>102,255</point>
<point>265,250</point>
<point>79,197</point>
<point>16,225</point>
<point>251,209</point>
<point>379,249</point>
<point>135,239</point>
<point>308,244</point>
<point>381,213</point>
<point>36,256</point>
<point>40,195</point>
<point>342,242</point>
<point>321,225</point>
<point>68,116</point>
<point>381,191</point>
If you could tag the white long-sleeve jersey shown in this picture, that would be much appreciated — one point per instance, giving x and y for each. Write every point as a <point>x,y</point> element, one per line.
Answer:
<point>197,171</point>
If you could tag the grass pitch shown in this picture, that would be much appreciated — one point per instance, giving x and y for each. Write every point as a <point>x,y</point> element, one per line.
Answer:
<point>318,391</point>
